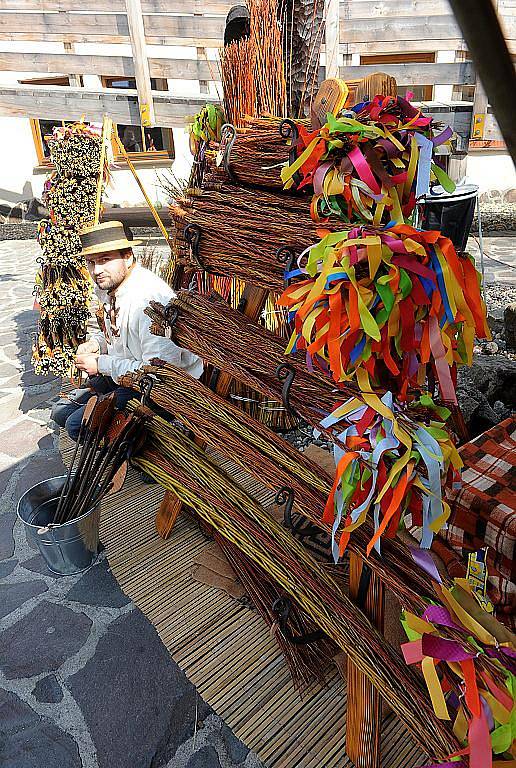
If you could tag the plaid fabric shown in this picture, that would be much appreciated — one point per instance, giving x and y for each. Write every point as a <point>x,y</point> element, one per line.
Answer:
<point>483,513</point>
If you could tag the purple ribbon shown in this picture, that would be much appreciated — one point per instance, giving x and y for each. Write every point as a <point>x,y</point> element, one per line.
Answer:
<point>444,650</point>
<point>423,558</point>
<point>442,137</point>
<point>437,614</point>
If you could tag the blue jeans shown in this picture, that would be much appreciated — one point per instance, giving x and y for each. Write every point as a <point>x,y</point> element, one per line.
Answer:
<point>68,412</point>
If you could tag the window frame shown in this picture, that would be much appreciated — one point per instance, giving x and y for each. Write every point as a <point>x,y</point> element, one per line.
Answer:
<point>64,80</point>
<point>162,156</point>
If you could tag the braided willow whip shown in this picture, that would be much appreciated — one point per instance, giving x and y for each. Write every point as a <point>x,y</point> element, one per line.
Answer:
<point>182,467</point>
<point>274,462</point>
<point>230,341</point>
<point>241,230</point>
<point>257,156</point>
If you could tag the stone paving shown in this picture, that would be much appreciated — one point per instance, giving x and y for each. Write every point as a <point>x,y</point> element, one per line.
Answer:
<point>85,681</point>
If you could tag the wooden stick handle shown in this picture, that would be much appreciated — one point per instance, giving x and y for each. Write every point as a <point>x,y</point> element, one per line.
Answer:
<point>106,133</point>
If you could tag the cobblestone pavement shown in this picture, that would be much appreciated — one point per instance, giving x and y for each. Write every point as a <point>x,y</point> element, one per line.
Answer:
<point>85,681</point>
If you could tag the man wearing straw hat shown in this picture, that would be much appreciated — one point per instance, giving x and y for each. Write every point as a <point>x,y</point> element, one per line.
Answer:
<point>124,289</point>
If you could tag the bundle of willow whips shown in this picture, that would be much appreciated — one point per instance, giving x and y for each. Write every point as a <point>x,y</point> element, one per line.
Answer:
<point>63,286</point>
<point>230,341</point>
<point>182,467</point>
<point>269,73</point>
<point>257,155</point>
<point>307,661</point>
<point>241,231</point>
<point>274,462</point>
<point>238,65</point>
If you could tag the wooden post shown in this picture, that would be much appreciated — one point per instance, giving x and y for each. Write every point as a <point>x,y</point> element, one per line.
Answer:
<point>480,104</point>
<point>253,301</point>
<point>332,38</point>
<point>141,62</point>
<point>75,80</point>
<point>364,707</point>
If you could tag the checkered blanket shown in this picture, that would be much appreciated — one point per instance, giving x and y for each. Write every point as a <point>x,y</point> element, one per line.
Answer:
<point>483,513</point>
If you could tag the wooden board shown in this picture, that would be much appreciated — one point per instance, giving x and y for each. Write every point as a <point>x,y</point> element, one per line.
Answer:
<point>61,103</point>
<point>113,66</point>
<point>224,648</point>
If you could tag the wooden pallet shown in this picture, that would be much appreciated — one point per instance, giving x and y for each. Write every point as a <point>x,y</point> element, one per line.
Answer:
<point>225,648</point>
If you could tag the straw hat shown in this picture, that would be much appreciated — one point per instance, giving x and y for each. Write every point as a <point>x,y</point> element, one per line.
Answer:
<point>102,238</point>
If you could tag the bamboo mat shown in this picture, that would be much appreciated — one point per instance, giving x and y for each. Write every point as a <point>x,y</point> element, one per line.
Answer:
<point>224,648</point>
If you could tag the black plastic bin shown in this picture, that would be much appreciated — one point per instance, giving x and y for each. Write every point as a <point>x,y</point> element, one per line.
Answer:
<point>452,214</point>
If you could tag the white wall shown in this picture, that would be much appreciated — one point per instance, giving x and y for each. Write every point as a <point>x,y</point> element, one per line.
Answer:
<point>491,170</point>
<point>18,159</point>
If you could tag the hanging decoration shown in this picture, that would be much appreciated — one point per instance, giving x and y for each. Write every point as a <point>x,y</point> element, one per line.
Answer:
<point>476,686</point>
<point>370,164</point>
<point>395,304</point>
<point>63,286</point>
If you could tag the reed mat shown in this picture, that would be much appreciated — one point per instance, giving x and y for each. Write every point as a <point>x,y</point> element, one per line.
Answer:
<point>224,648</point>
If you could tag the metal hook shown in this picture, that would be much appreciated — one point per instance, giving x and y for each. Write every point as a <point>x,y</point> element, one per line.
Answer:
<point>301,528</point>
<point>288,130</point>
<point>285,374</point>
<point>285,496</point>
<point>192,233</point>
<point>287,257</point>
<point>282,607</point>
<point>170,314</point>
<point>227,139</point>
<point>146,384</point>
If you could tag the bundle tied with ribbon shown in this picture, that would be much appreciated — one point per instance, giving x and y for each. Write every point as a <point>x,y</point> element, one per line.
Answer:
<point>391,460</point>
<point>370,164</point>
<point>476,685</point>
<point>394,303</point>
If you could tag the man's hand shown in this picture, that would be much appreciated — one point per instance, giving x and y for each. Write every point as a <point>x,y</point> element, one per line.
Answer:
<point>88,347</point>
<point>88,363</point>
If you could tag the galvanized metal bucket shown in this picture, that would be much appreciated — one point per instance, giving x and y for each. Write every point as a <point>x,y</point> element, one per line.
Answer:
<point>68,548</point>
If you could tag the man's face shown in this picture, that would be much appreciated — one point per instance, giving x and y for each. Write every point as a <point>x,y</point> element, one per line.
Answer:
<point>109,269</point>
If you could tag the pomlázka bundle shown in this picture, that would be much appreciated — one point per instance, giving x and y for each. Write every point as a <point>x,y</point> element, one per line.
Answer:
<point>63,286</point>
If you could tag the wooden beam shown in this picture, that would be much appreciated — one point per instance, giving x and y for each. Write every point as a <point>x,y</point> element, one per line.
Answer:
<point>400,28</point>
<point>429,45</point>
<point>141,64</point>
<point>64,103</point>
<point>416,74</point>
<point>373,8</point>
<point>74,78</point>
<point>109,66</point>
<point>189,30</point>
<point>332,34</point>
<point>218,7</point>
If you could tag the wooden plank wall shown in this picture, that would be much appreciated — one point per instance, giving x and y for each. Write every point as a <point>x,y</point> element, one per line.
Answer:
<point>366,26</point>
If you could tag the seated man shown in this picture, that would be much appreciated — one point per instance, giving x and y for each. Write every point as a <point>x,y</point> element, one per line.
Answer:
<point>124,289</point>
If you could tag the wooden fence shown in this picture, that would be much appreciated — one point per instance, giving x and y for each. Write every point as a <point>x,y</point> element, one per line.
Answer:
<point>364,27</point>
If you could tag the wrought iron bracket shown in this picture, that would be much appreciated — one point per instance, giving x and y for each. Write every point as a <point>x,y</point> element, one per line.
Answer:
<point>282,607</point>
<point>287,257</point>
<point>301,528</point>
<point>288,130</point>
<point>146,384</point>
<point>227,139</point>
<point>171,314</point>
<point>285,497</point>
<point>285,374</point>
<point>192,233</point>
